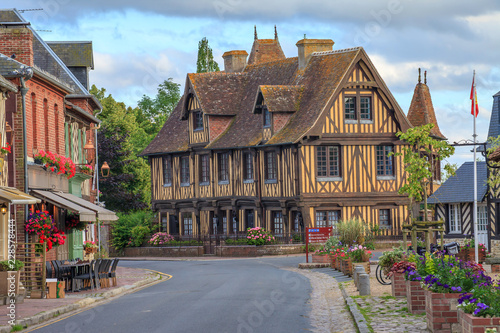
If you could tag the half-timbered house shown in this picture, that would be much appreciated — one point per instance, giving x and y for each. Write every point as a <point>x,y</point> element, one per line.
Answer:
<point>281,143</point>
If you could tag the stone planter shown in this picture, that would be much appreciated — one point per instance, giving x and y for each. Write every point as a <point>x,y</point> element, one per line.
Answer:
<point>365,264</point>
<point>9,282</point>
<point>441,312</point>
<point>471,324</point>
<point>398,285</point>
<point>321,258</point>
<point>415,297</point>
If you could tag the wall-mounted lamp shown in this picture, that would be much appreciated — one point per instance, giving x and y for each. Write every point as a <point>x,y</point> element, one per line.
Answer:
<point>3,208</point>
<point>105,170</point>
<point>88,147</point>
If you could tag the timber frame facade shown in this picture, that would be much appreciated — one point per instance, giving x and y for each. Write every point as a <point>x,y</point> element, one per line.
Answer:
<point>281,143</point>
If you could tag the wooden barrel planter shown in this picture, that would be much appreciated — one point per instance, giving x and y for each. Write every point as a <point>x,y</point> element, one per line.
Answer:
<point>321,258</point>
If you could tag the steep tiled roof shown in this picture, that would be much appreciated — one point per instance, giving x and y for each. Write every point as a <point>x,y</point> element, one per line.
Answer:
<point>494,129</point>
<point>74,54</point>
<point>460,188</point>
<point>308,92</point>
<point>173,137</point>
<point>265,50</point>
<point>9,66</point>
<point>421,110</point>
<point>281,98</point>
<point>9,16</point>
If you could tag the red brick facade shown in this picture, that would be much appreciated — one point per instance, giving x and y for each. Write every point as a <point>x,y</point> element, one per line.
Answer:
<point>18,42</point>
<point>441,311</point>
<point>398,285</point>
<point>217,125</point>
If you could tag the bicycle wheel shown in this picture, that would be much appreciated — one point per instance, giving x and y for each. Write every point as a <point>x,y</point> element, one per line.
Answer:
<point>381,277</point>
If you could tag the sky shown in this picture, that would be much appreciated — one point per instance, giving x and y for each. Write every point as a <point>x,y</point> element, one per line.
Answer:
<point>139,44</point>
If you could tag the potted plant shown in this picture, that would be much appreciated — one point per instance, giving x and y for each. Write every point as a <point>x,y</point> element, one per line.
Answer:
<point>86,169</point>
<point>90,247</point>
<point>10,271</point>
<point>360,255</point>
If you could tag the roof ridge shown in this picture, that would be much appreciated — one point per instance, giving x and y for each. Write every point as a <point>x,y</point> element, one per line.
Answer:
<point>290,59</point>
<point>337,51</point>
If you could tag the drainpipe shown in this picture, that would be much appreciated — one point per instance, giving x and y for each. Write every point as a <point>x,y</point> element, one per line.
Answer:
<point>26,74</point>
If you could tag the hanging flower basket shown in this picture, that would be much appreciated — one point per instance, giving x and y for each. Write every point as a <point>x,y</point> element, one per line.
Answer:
<point>41,224</point>
<point>73,222</point>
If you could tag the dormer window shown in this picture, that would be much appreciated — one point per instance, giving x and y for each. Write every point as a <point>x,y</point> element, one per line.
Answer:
<point>267,117</point>
<point>197,121</point>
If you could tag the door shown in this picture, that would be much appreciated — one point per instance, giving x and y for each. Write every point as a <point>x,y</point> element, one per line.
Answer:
<point>482,226</point>
<point>250,221</point>
<point>75,242</point>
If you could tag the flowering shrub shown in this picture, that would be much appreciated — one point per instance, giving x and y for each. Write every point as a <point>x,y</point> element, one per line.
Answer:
<point>160,238</point>
<point>482,301</point>
<point>470,244</point>
<point>259,236</point>
<point>73,222</point>
<point>359,253</point>
<point>57,163</point>
<point>89,245</point>
<point>40,223</point>
<point>6,149</point>
<point>449,274</point>
<point>321,251</point>
<point>402,267</point>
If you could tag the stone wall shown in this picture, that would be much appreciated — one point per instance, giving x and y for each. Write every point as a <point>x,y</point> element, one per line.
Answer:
<point>185,251</point>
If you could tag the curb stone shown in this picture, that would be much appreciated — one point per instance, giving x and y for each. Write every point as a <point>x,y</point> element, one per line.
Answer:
<point>359,319</point>
<point>47,315</point>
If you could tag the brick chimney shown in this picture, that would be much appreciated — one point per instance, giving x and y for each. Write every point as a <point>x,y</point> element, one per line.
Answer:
<point>235,61</point>
<point>17,40</point>
<point>308,46</point>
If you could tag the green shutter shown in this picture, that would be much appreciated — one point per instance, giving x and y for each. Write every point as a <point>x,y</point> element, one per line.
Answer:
<point>80,148</point>
<point>66,139</point>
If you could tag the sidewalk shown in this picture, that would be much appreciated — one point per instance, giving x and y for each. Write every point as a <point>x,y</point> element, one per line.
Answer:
<point>36,311</point>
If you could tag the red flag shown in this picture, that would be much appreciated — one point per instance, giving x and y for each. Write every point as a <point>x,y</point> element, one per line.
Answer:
<point>473,96</point>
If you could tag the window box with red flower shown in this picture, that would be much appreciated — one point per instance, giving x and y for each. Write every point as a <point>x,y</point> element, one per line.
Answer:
<point>56,163</point>
<point>41,224</point>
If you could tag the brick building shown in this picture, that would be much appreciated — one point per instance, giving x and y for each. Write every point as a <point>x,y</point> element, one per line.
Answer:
<point>51,111</point>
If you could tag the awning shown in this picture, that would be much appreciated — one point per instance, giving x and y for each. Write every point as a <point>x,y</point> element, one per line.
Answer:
<point>86,215</point>
<point>16,197</point>
<point>103,213</point>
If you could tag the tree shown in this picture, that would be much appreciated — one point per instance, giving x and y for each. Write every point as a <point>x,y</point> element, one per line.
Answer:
<point>129,185</point>
<point>418,163</point>
<point>205,62</point>
<point>151,113</point>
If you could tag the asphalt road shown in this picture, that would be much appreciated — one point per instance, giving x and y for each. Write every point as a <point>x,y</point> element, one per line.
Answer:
<point>240,295</point>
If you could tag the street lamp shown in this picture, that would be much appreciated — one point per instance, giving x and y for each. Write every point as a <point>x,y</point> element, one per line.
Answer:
<point>105,170</point>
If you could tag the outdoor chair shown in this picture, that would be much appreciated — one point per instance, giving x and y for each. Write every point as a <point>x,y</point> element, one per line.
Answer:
<point>97,281</point>
<point>87,277</point>
<point>48,270</point>
<point>104,272</point>
<point>112,272</point>
<point>61,274</point>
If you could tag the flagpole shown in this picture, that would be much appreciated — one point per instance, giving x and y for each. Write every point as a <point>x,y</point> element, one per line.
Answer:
<point>476,240</point>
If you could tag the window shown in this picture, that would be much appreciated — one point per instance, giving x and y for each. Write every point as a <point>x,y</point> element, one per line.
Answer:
<point>197,121</point>
<point>187,224</point>
<point>167,171</point>
<point>267,117</point>
<point>235,224</point>
<point>366,108</point>
<point>249,217</point>
<point>327,161</point>
<point>204,169</point>
<point>327,218</point>
<point>384,216</point>
<point>455,219</point>
<point>277,223</point>
<point>185,171</point>
<point>482,218</point>
<point>270,166</point>
<point>385,166</point>
<point>224,168</point>
<point>247,167</point>
<point>350,108</point>
<point>224,225</point>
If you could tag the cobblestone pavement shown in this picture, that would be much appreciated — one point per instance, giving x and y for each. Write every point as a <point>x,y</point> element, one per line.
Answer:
<point>328,310</point>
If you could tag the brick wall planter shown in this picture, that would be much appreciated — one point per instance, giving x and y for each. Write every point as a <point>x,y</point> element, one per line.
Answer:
<point>470,255</point>
<point>415,297</point>
<point>441,311</point>
<point>279,249</point>
<point>321,259</point>
<point>471,324</point>
<point>398,285</point>
<point>346,266</point>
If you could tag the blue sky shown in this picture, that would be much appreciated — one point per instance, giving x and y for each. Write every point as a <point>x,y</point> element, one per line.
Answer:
<point>138,44</point>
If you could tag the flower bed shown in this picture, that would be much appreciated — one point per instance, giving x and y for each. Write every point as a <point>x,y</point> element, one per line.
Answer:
<point>471,324</point>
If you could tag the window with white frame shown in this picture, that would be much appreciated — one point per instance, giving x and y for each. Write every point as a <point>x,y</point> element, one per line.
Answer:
<point>482,218</point>
<point>277,223</point>
<point>185,171</point>
<point>187,224</point>
<point>327,218</point>
<point>455,219</point>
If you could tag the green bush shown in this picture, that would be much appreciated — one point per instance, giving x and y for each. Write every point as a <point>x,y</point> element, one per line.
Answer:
<point>122,229</point>
<point>241,241</point>
<point>389,258</point>
<point>9,265</point>
<point>354,231</point>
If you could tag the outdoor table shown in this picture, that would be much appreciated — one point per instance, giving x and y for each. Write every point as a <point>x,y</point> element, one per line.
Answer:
<point>77,269</point>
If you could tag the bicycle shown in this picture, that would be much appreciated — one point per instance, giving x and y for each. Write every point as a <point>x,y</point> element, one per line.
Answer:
<point>382,278</point>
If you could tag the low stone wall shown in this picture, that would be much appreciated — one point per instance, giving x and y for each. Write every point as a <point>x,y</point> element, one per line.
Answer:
<point>257,251</point>
<point>184,251</point>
